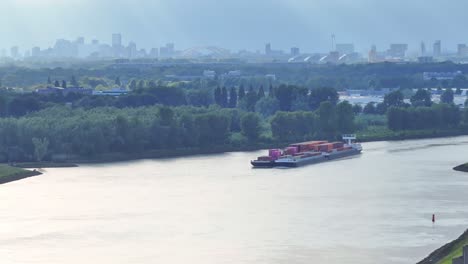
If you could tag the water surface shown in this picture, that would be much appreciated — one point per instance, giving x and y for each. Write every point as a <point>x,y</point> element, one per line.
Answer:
<point>374,208</point>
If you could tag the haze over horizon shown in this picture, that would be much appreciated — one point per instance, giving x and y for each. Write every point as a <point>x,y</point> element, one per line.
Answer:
<point>235,25</point>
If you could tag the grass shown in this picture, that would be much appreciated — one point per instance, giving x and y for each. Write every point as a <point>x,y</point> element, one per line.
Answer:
<point>448,252</point>
<point>33,165</point>
<point>9,174</point>
<point>6,171</point>
<point>378,133</point>
<point>463,167</point>
<point>455,253</point>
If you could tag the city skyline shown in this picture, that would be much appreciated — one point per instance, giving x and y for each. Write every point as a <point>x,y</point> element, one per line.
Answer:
<point>283,23</point>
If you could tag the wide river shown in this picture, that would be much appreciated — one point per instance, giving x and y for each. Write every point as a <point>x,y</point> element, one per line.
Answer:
<point>373,208</point>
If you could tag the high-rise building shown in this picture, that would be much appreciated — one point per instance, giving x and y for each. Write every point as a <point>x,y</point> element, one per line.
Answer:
<point>80,41</point>
<point>154,53</point>
<point>268,49</point>
<point>116,40</point>
<point>170,49</point>
<point>373,54</point>
<point>345,48</point>
<point>14,52</point>
<point>437,50</point>
<point>132,49</point>
<point>462,50</point>
<point>295,51</point>
<point>36,52</point>
<point>423,48</point>
<point>397,50</point>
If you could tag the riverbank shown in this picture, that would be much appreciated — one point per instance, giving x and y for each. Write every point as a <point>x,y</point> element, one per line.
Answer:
<point>185,152</point>
<point>445,254</point>
<point>35,165</point>
<point>384,134</point>
<point>9,174</point>
<point>463,167</point>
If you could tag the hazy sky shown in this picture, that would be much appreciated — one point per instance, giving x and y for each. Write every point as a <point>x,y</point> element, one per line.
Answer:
<point>236,24</point>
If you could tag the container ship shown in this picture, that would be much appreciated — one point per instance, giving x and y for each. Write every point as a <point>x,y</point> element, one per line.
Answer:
<point>310,152</point>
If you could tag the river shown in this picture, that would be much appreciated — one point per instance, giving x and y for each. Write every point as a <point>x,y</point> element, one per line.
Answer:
<point>212,209</point>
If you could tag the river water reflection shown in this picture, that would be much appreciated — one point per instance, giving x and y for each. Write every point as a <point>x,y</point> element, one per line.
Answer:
<point>375,208</point>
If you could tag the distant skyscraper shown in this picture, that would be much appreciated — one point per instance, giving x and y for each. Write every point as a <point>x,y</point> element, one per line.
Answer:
<point>14,52</point>
<point>132,48</point>
<point>154,53</point>
<point>170,49</point>
<point>116,40</point>
<point>295,51</point>
<point>80,41</point>
<point>36,52</point>
<point>373,54</point>
<point>397,50</point>
<point>437,48</point>
<point>423,48</point>
<point>268,49</point>
<point>462,50</point>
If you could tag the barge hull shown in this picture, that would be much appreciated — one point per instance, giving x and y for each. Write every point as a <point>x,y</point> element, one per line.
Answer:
<point>307,161</point>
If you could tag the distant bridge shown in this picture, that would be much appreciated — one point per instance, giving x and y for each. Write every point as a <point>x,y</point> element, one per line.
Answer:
<point>206,51</point>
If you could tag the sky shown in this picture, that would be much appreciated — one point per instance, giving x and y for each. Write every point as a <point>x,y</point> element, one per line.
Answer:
<point>236,24</point>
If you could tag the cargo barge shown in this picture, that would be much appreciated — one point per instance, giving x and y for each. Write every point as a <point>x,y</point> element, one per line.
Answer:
<point>310,152</point>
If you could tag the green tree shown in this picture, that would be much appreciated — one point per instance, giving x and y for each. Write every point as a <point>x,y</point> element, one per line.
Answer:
<point>64,84</point>
<point>357,109</point>
<point>267,106</point>
<point>40,148</point>
<point>250,126</point>
<point>218,96</point>
<point>285,96</point>
<point>199,97</point>
<point>233,98</point>
<point>248,102</point>
<point>118,82</point>
<point>327,119</point>
<point>322,94</point>
<point>271,92</point>
<point>241,92</point>
<point>447,96</point>
<point>133,85</point>
<point>261,92</point>
<point>345,117</point>
<point>224,97</point>
<point>369,108</point>
<point>56,84</point>
<point>73,81</point>
<point>49,81</point>
<point>394,98</point>
<point>421,98</point>
<point>141,85</point>
<point>396,118</point>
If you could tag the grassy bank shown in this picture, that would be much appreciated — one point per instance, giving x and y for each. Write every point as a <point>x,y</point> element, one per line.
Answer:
<point>9,174</point>
<point>172,153</point>
<point>379,133</point>
<point>33,165</point>
<point>463,167</point>
<point>445,254</point>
